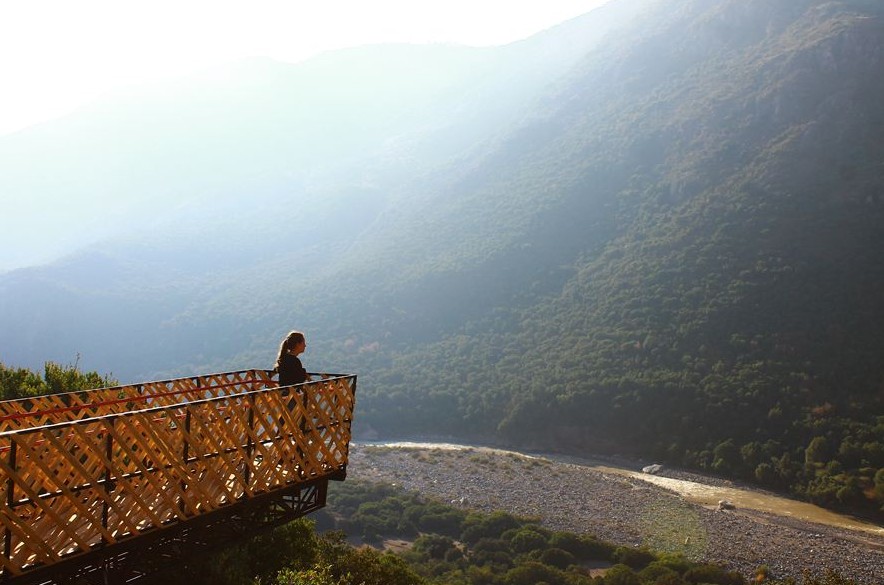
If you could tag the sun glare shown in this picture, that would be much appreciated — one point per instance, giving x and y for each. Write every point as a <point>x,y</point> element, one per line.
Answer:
<point>56,55</point>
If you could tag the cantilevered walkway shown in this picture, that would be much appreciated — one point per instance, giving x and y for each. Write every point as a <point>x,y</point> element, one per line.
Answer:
<point>109,485</point>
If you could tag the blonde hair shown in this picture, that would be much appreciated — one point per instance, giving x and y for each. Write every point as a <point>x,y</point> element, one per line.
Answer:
<point>289,341</point>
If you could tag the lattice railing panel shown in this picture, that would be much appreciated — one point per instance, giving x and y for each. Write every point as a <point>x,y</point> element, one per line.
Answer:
<point>55,408</point>
<point>70,487</point>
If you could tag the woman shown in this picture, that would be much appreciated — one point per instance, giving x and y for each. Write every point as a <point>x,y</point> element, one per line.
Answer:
<point>291,371</point>
<point>289,366</point>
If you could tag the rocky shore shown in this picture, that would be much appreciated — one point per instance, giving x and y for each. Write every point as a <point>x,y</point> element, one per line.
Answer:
<point>622,510</point>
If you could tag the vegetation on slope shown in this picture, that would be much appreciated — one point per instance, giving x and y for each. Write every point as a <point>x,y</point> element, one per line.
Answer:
<point>723,314</point>
<point>56,378</point>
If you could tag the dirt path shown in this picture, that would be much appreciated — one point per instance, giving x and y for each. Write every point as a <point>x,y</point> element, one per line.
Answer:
<point>622,508</point>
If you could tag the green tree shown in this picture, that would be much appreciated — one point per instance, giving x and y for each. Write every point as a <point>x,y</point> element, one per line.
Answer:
<point>751,455</point>
<point>291,545</point>
<point>765,474</point>
<point>56,378</point>
<point>660,574</point>
<point>61,378</point>
<point>477,526</point>
<point>20,383</point>
<point>366,566</point>
<point>531,573</point>
<point>621,575</point>
<point>817,451</point>
<point>557,557</point>
<point>569,542</point>
<point>726,457</point>
<point>879,485</point>
<point>526,540</point>
<point>433,545</point>
<point>637,558</point>
<point>316,576</point>
<point>713,575</point>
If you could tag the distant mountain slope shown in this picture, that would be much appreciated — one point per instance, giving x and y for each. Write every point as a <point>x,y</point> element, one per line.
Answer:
<point>233,188</point>
<point>701,274</point>
<point>259,126</point>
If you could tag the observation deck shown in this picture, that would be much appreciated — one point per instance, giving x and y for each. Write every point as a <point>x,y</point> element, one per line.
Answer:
<point>111,484</point>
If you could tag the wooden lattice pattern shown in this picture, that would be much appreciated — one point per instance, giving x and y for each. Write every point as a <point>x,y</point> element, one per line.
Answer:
<point>89,469</point>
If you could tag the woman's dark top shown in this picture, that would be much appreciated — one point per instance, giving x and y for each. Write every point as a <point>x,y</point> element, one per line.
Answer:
<point>291,371</point>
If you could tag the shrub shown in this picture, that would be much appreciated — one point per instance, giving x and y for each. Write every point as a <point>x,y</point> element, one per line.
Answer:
<point>596,550</point>
<point>569,542</point>
<point>477,526</point>
<point>621,575</point>
<point>526,540</point>
<point>660,574</point>
<point>637,558</point>
<point>532,573</point>
<point>713,575</point>
<point>557,557</point>
<point>433,545</point>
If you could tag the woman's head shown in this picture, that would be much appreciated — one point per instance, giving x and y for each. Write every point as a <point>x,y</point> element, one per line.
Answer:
<point>289,343</point>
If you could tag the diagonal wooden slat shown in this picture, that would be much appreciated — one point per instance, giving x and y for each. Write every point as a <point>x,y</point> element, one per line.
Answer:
<point>100,463</point>
<point>66,493</point>
<point>31,541</point>
<point>163,441</point>
<point>59,523</point>
<point>220,465</point>
<point>127,440</point>
<point>166,485</point>
<point>264,473</point>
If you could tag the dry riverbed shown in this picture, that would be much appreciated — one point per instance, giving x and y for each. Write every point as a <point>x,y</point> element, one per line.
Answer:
<point>622,509</point>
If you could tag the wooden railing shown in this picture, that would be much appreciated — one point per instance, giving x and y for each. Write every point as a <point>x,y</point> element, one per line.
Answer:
<point>88,470</point>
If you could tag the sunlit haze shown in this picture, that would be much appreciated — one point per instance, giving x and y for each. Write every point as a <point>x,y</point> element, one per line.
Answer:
<point>56,55</point>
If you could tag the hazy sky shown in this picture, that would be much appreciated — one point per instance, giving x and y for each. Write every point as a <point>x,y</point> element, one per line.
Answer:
<point>55,55</point>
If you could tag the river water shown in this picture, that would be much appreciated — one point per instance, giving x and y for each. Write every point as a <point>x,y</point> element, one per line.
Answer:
<point>692,491</point>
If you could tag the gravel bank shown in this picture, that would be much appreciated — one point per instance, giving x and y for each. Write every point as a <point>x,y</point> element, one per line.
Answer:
<point>626,511</point>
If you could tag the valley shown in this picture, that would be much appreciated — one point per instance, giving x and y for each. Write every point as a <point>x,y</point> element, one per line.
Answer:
<point>619,504</point>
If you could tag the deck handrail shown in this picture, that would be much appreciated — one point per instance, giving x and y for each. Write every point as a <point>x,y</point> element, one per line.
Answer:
<point>23,408</point>
<point>34,414</point>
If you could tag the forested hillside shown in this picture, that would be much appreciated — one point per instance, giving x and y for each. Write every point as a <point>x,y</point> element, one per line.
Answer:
<point>668,244</point>
<point>703,281</point>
